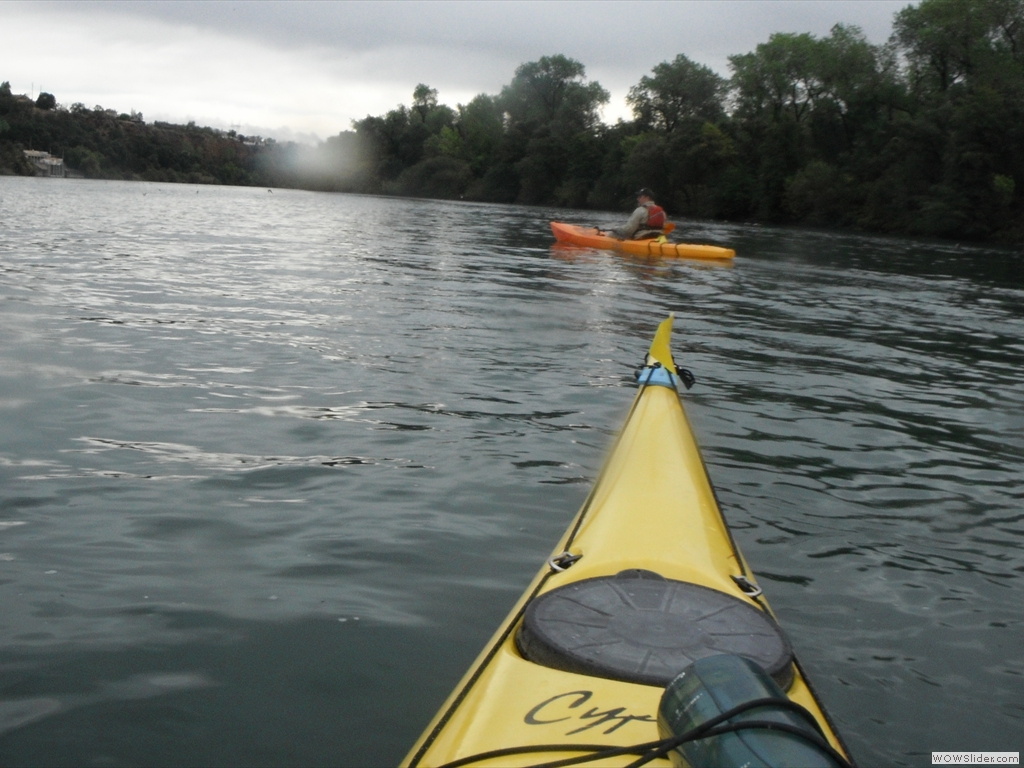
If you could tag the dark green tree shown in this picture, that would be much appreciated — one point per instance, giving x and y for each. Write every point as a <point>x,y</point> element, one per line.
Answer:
<point>775,88</point>
<point>424,99</point>
<point>552,118</point>
<point>944,41</point>
<point>679,90</point>
<point>481,130</point>
<point>778,79</point>
<point>961,158</point>
<point>553,89</point>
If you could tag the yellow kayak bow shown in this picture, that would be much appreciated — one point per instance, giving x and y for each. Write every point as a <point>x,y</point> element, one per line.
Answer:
<point>652,515</point>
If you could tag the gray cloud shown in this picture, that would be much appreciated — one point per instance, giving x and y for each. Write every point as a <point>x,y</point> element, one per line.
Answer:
<point>314,66</point>
<point>613,31</point>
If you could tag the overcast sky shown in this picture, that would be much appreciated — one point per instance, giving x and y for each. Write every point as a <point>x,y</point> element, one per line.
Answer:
<point>297,70</point>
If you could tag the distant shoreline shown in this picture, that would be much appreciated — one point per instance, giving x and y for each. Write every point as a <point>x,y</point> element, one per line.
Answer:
<point>825,132</point>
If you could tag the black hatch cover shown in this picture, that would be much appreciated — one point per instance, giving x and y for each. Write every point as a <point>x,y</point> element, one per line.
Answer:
<point>640,627</point>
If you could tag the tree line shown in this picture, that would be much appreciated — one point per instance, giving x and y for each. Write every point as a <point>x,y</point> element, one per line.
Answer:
<point>922,135</point>
<point>101,143</point>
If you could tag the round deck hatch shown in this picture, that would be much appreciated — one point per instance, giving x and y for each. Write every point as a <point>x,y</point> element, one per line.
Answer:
<point>640,627</point>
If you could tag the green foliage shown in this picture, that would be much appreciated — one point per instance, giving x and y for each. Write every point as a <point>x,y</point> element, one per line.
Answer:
<point>552,91</point>
<point>437,177</point>
<point>424,99</point>
<point>680,90</point>
<point>965,105</point>
<point>1004,187</point>
<point>87,161</point>
<point>550,117</point>
<point>778,80</point>
<point>815,194</point>
<point>944,41</point>
<point>481,128</point>
<point>12,160</point>
<point>46,101</point>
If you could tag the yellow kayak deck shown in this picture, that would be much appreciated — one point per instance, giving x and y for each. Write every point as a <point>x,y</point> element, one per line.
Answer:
<point>651,508</point>
<point>590,237</point>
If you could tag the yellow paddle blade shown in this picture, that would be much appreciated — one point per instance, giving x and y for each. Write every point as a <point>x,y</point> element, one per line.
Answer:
<point>660,351</point>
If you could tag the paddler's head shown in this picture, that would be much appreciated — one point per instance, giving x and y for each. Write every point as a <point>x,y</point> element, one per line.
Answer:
<point>645,196</point>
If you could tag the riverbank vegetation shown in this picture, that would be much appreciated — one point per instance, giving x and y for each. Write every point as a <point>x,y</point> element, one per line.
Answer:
<point>923,135</point>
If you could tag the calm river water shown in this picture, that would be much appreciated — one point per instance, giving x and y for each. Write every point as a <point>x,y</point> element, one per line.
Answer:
<point>275,465</point>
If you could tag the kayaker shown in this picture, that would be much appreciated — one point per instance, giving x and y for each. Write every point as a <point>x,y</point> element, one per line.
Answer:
<point>646,221</point>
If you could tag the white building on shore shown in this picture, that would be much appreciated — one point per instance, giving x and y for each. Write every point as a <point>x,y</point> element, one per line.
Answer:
<point>46,164</point>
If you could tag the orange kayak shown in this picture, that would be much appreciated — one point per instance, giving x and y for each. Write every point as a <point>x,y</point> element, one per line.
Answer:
<point>589,237</point>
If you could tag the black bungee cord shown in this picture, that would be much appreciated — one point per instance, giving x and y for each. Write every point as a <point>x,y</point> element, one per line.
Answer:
<point>652,750</point>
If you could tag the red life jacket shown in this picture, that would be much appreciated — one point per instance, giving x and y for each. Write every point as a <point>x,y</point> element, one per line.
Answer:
<point>655,216</point>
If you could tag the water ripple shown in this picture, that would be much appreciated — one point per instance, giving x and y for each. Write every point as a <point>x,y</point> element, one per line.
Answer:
<point>230,415</point>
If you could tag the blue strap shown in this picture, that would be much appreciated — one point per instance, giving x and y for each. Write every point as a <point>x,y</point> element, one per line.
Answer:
<point>657,377</point>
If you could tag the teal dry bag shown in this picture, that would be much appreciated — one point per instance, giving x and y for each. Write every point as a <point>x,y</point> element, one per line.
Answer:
<point>712,686</point>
